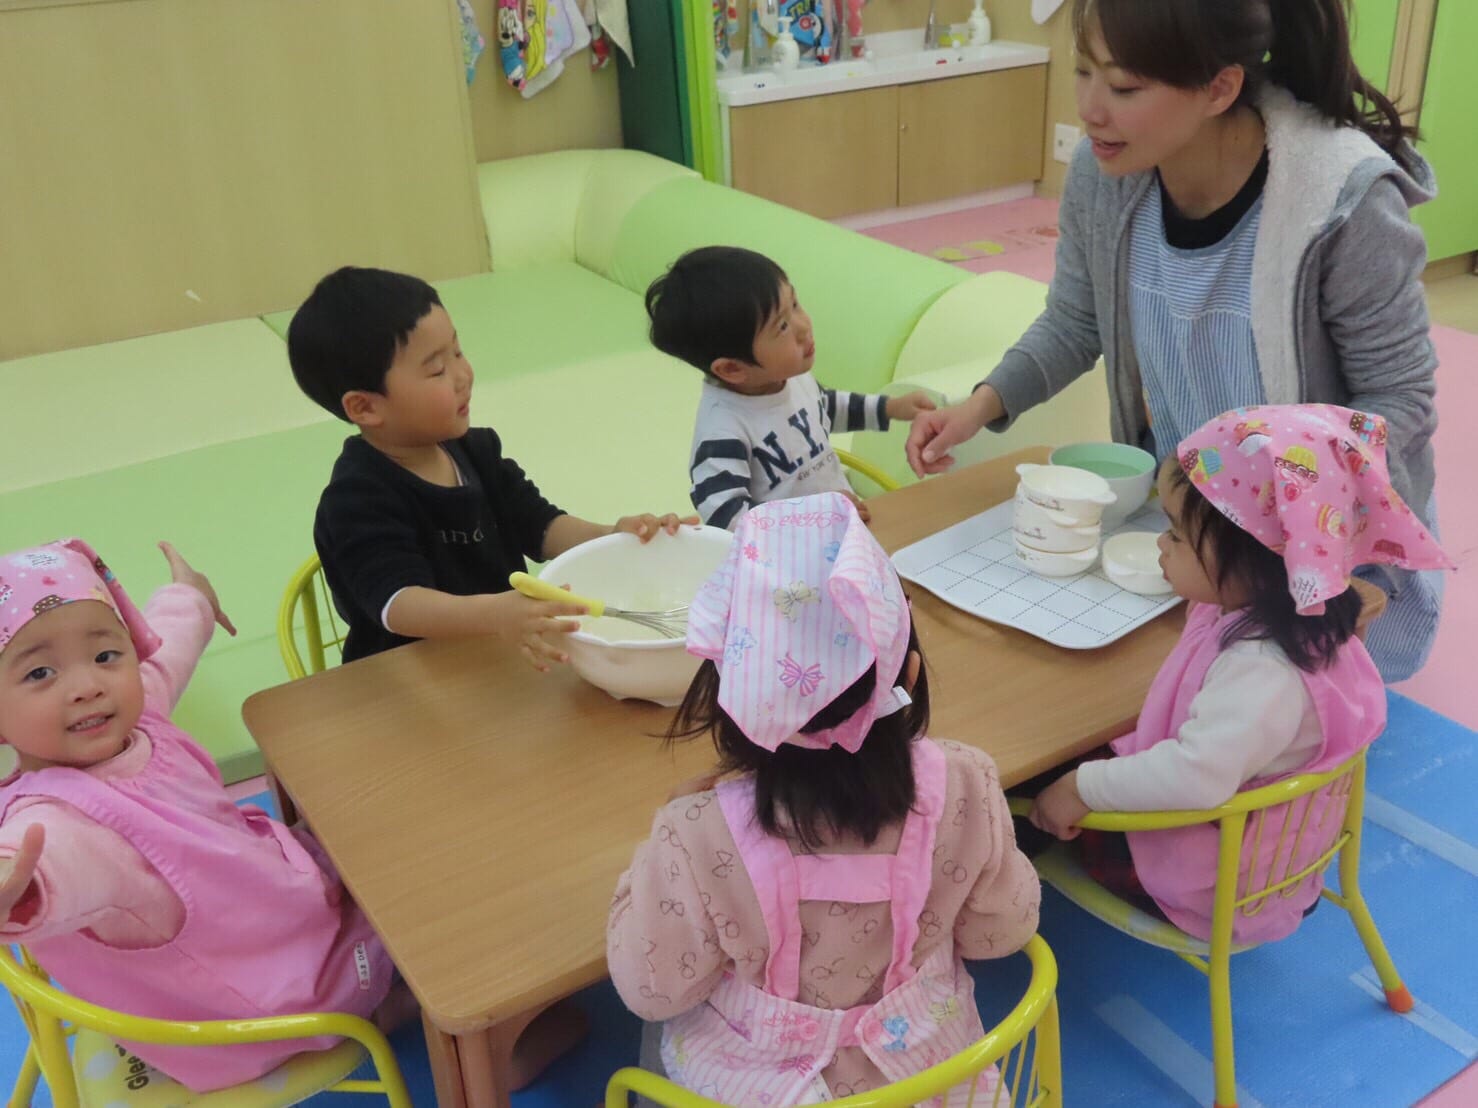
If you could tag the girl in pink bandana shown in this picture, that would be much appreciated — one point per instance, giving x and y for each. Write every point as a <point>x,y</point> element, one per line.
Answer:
<point>799,929</point>
<point>124,866</point>
<point>1271,510</point>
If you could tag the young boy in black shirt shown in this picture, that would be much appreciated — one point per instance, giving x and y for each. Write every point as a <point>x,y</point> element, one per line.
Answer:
<point>424,518</point>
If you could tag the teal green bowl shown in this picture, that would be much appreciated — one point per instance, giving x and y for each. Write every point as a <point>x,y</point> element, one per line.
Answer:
<point>1129,471</point>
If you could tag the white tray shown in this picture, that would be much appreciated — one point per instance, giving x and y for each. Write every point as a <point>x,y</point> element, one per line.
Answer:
<point>973,566</point>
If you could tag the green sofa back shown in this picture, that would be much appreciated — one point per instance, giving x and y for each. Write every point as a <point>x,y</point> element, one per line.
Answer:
<point>864,296</point>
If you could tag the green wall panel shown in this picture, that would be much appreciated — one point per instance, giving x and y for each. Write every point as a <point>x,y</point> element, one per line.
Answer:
<point>1448,112</point>
<point>1373,26</point>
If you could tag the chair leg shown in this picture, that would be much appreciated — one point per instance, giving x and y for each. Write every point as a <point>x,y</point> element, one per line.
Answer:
<point>26,1080</point>
<point>285,803</point>
<point>1397,995</point>
<point>1223,1062</point>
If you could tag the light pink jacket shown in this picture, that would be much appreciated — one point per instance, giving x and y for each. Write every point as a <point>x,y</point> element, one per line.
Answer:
<point>698,927</point>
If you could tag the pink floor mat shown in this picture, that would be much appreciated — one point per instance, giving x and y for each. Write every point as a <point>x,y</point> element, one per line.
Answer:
<point>1445,685</point>
<point>1019,235</point>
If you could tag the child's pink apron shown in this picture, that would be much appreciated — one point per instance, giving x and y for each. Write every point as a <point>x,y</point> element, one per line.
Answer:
<point>1178,867</point>
<point>747,1046</point>
<point>266,933</point>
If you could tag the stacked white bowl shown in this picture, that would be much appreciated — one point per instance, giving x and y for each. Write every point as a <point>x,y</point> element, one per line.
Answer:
<point>1057,518</point>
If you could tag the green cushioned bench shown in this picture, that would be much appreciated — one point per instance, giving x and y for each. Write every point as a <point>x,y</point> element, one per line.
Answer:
<point>202,438</point>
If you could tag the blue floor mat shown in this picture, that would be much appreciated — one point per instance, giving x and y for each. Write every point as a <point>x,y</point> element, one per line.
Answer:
<point>1136,1029</point>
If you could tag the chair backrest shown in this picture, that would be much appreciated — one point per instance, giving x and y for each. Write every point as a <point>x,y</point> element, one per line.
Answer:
<point>307,608</point>
<point>51,1015</point>
<point>883,482</point>
<point>1306,820</point>
<point>1024,1047</point>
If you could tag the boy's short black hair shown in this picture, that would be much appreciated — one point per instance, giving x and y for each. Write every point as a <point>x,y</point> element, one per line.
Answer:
<point>347,332</point>
<point>712,303</point>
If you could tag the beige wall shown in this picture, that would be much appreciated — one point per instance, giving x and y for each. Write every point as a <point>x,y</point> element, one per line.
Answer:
<point>580,109</point>
<point>174,162</point>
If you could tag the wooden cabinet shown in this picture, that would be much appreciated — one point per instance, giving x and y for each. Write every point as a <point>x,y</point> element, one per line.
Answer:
<point>826,155</point>
<point>898,145</point>
<point>969,134</point>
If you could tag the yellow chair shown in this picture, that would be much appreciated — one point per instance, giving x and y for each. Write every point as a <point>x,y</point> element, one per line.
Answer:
<point>307,600</point>
<point>1025,1044</point>
<point>97,1072</point>
<point>1271,813</point>
<point>867,469</point>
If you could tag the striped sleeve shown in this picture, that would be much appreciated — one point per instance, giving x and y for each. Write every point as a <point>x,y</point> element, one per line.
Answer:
<point>720,476</point>
<point>855,411</point>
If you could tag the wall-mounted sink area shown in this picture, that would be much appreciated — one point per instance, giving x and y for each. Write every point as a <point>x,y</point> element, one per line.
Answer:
<point>894,58</point>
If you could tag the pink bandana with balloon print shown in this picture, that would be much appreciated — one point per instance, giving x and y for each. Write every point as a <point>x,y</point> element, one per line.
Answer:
<point>805,602</point>
<point>1309,482</point>
<point>34,581</point>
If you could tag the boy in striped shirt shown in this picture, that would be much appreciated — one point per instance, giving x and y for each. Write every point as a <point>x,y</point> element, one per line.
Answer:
<point>763,426</point>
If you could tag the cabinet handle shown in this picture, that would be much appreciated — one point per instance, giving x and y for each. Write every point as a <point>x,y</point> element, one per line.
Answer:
<point>903,126</point>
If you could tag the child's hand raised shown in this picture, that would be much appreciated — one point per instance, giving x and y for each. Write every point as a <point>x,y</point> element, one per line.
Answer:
<point>1059,808</point>
<point>646,526</point>
<point>19,870</point>
<point>183,574</point>
<point>524,622</point>
<point>909,405</point>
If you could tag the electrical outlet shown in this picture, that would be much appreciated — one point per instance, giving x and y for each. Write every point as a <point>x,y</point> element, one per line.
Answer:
<point>1064,141</point>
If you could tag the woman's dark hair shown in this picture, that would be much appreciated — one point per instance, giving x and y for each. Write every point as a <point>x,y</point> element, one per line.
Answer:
<point>1302,45</point>
<point>807,793</point>
<point>1310,642</point>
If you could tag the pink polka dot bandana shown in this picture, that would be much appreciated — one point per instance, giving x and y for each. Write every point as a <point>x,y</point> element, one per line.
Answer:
<point>1309,482</point>
<point>805,602</point>
<point>34,581</point>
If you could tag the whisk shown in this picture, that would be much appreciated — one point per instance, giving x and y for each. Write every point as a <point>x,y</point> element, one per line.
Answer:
<point>670,624</point>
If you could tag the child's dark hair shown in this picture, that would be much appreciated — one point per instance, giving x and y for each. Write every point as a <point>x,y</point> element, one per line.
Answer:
<point>1302,45</point>
<point>348,331</point>
<point>1310,642</point>
<point>712,303</point>
<point>804,792</point>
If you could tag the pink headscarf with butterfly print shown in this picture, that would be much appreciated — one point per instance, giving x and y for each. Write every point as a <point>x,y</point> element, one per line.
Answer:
<point>805,602</point>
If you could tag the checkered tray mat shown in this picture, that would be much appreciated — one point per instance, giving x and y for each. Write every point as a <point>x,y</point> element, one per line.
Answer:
<point>973,566</point>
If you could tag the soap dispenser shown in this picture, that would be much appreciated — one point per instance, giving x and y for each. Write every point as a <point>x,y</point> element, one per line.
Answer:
<point>785,50</point>
<point>979,25</point>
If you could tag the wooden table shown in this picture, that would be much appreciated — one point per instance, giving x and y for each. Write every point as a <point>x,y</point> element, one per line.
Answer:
<point>481,812</point>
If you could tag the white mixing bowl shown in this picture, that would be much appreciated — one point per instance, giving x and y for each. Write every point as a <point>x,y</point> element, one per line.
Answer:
<point>624,658</point>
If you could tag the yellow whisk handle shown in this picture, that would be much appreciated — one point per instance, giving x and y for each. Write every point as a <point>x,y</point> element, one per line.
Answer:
<point>543,590</point>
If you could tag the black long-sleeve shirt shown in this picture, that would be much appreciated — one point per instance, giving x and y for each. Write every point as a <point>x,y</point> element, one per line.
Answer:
<point>380,529</point>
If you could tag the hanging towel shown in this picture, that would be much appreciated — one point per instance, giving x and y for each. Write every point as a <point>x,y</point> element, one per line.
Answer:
<point>513,42</point>
<point>473,44</point>
<point>613,20</point>
<point>565,34</point>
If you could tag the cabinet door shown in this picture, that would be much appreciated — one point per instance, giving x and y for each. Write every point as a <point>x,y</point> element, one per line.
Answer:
<point>968,134</point>
<point>828,156</point>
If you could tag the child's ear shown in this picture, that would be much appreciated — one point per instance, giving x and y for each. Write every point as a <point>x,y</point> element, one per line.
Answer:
<point>362,408</point>
<point>731,371</point>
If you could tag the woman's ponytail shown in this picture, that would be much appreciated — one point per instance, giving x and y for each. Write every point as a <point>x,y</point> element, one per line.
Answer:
<point>1310,57</point>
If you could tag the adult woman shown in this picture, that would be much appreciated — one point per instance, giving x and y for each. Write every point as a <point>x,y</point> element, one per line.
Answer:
<point>1234,231</point>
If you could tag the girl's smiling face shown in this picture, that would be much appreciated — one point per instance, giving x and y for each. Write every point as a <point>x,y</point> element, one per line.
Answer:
<point>70,691</point>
